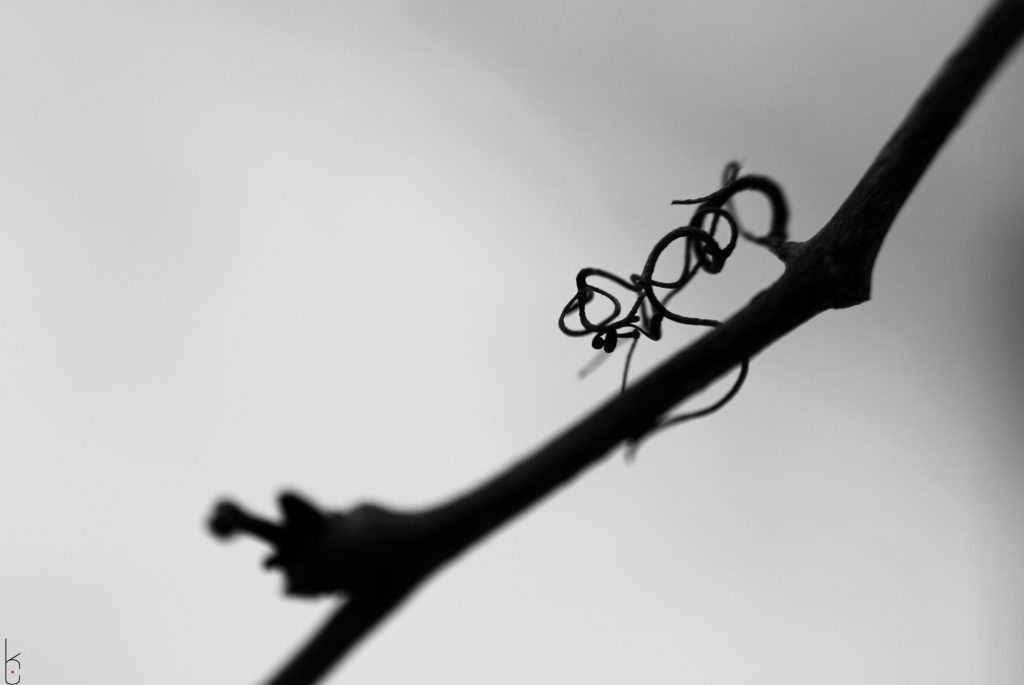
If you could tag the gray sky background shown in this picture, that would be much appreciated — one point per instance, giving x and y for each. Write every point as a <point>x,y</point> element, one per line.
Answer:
<point>251,245</point>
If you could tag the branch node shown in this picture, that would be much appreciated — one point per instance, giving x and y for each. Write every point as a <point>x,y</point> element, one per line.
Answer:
<point>367,550</point>
<point>785,250</point>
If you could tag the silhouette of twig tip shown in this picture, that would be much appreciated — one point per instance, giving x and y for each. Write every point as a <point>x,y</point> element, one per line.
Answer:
<point>226,520</point>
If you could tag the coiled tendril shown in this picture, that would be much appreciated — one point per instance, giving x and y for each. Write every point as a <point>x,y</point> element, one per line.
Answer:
<point>702,252</point>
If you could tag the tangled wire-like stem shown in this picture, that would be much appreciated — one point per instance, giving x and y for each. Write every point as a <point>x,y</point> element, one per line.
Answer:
<point>702,252</point>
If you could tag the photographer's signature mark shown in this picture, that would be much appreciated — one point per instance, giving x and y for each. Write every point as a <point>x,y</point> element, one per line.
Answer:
<point>12,667</point>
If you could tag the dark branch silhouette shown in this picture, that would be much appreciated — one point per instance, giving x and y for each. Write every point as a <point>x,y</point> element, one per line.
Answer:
<point>375,557</point>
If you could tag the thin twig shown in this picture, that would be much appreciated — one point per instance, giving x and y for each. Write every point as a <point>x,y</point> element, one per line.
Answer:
<point>377,557</point>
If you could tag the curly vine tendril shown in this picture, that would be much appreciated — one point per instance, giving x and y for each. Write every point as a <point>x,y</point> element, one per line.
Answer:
<point>702,252</point>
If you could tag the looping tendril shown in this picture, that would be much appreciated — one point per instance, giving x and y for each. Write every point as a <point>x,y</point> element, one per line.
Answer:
<point>702,251</point>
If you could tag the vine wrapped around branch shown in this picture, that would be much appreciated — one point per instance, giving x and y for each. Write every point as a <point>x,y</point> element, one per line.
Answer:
<point>701,252</point>
<point>374,557</point>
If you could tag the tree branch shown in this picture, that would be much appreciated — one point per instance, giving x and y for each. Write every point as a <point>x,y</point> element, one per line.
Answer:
<point>376,557</point>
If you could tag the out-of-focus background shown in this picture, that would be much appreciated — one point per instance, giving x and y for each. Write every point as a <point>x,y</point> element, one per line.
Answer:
<point>254,245</point>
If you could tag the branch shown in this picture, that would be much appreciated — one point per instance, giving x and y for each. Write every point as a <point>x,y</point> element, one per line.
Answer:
<point>376,557</point>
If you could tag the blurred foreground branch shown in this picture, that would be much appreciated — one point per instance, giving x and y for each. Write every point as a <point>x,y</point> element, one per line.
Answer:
<point>375,557</point>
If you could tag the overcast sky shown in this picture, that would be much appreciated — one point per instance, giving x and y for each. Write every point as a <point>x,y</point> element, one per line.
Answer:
<point>323,245</point>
